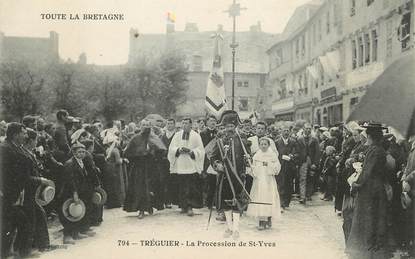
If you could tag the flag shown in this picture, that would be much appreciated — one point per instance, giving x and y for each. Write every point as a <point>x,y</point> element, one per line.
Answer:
<point>254,118</point>
<point>171,18</point>
<point>215,91</point>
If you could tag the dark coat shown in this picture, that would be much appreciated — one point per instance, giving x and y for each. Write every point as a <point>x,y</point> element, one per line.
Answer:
<point>368,228</point>
<point>236,157</point>
<point>283,149</point>
<point>143,173</point>
<point>78,180</point>
<point>288,169</point>
<point>16,168</point>
<point>207,135</point>
<point>313,150</point>
<point>61,140</point>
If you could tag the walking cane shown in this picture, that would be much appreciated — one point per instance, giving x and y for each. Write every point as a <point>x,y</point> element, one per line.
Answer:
<point>215,199</point>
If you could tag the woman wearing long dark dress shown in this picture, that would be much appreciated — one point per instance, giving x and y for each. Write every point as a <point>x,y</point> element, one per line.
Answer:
<point>367,239</point>
<point>113,173</point>
<point>141,192</point>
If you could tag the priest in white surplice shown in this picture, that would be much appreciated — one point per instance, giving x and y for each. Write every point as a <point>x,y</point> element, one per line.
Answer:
<point>186,156</point>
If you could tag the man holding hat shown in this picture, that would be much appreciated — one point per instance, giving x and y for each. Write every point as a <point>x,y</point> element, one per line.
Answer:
<point>287,154</point>
<point>228,158</point>
<point>77,189</point>
<point>61,135</point>
<point>16,170</point>
<point>308,156</point>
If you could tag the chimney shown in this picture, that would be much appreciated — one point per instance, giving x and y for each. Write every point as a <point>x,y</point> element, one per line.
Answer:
<point>132,52</point>
<point>82,59</point>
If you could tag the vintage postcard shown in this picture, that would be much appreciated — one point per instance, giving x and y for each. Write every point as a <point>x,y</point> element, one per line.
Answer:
<point>207,129</point>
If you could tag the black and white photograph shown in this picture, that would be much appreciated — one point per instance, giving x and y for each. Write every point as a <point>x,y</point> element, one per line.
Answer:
<point>207,129</point>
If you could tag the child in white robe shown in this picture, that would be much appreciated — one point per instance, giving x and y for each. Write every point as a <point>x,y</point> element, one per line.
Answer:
<point>266,166</point>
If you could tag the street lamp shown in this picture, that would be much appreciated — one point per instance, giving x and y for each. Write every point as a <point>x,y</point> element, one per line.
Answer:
<point>234,10</point>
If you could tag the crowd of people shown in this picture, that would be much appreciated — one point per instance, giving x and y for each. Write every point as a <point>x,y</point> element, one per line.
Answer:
<point>71,170</point>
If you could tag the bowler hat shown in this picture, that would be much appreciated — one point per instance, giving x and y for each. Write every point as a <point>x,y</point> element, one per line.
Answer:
<point>230,117</point>
<point>99,197</point>
<point>73,211</point>
<point>45,194</point>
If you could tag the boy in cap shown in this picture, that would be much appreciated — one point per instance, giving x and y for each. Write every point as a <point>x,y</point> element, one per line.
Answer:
<point>76,185</point>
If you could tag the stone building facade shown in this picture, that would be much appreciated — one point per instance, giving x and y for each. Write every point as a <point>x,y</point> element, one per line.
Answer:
<point>251,63</point>
<point>31,49</point>
<point>320,71</point>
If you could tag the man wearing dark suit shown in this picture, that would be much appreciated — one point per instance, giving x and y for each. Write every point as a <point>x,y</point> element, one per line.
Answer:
<point>207,135</point>
<point>169,181</point>
<point>308,157</point>
<point>15,171</point>
<point>287,151</point>
<point>61,136</point>
<point>79,183</point>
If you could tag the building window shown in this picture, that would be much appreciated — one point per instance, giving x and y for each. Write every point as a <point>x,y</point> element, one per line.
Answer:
<point>279,58</point>
<point>197,63</point>
<point>300,81</point>
<point>303,46</point>
<point>297,49</point>
<point>361,49</point>
<point>246,84</point>
<point>320,36</point>
<point>239,83</point>
<point>353,102</point>
<point>367,48</point>
<point>369,2</point>
<point>328,22</point>
<point>352,7</point>
<point>243,104</point>
<point>389,48</point>
<point>374,46</point>
<point>405,31</point>
<point>283,89</point>
<point>354,54</point>
<point>305,83</point>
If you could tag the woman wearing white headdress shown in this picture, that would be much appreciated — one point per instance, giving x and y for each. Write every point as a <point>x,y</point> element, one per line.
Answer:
<point>264,187</point>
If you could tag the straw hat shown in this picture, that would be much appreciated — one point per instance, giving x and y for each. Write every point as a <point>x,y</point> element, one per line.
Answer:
<point>45,194</point>
<point>73,211</point>
<point>99,197</point>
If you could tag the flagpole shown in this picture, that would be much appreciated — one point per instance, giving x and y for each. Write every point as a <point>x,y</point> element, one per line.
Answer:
<point>234,10</point>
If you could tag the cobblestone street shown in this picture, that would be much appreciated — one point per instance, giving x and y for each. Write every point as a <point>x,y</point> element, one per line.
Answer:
<point>312,231</point>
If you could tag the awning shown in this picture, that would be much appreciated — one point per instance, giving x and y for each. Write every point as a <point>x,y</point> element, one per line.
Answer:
<point>313,72</point>
<point>334,60</point>
<point>327,66</point>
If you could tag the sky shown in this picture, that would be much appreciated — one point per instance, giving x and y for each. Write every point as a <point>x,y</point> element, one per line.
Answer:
<point>106,42</point>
